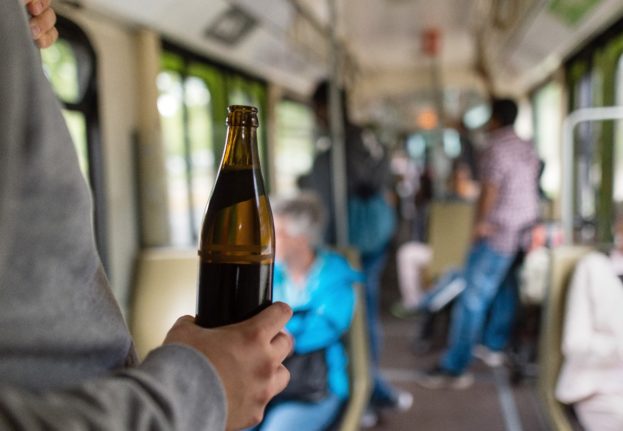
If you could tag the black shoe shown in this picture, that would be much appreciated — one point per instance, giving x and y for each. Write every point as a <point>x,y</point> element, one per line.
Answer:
<point>438,378</point>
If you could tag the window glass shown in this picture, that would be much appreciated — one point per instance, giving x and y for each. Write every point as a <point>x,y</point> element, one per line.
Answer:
<point>294,144</point>
<point>170,106</point>
<point>78,129</point>
<point>193,98</point>
<point>61,68</point>
<point>548,119</point>
<point>201,148</point>
<point>585,173</point>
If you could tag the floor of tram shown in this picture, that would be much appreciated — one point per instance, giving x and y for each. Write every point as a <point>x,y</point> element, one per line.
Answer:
<point>493,403</point>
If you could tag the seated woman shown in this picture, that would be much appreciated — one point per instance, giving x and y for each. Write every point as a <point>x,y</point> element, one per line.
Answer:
<point>591,379</point>
<point>318,285</point>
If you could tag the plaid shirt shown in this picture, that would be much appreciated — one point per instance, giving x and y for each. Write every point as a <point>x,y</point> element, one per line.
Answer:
<point>511,165</point>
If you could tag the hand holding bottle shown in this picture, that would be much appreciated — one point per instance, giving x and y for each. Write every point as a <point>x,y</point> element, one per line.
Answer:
<point>247,356</point>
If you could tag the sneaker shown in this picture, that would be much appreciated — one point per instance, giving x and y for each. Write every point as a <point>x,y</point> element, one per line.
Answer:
<point>399,400</point>
<point>438,378</point>
<point>490,357</point>
<point>404,400</point>
<point>369,419</point>
<point>400,311</point>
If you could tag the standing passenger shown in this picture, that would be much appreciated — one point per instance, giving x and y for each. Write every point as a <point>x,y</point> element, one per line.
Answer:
<point>371,225</point>
<point>508,204</point>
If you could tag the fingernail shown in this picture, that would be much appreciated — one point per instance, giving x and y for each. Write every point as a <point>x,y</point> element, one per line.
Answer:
<point>37,8</point>
<point>35,30</point>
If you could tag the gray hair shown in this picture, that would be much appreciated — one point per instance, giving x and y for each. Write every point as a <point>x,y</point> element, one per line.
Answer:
<point>305,215</point>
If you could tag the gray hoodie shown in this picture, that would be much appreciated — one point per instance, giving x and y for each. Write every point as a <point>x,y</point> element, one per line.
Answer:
<point>66,357</point>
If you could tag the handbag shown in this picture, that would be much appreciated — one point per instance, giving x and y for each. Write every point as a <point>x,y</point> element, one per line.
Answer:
<point>308,377</point>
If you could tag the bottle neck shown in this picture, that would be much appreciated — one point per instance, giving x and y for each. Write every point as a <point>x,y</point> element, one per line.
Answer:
<point>241,150</point>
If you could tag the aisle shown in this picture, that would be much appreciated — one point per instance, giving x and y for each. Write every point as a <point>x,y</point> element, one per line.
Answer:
<point>491,404</point>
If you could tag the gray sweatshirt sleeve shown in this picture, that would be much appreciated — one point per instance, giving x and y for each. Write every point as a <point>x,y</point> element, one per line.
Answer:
<point>175,388</point>
<point>63,342</point>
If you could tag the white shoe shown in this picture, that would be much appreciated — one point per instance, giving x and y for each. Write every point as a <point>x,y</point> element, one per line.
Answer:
<point>489,357</point>
<point>404,400</point>
<point>369,419</point>
<point>437,378</point>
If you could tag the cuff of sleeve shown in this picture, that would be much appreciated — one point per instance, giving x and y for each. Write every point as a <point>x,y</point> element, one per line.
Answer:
<point>192,385</point>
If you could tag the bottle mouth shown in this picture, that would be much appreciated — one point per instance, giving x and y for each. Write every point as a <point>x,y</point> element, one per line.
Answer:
<point>242,115</point>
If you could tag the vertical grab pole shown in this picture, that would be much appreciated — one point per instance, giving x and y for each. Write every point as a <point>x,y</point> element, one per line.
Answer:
<point>336,122</point>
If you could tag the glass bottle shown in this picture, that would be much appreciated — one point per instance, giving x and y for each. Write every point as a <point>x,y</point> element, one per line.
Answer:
<point>237,244</point>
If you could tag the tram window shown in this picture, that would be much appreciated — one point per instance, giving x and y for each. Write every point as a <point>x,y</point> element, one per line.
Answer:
<point>192,102</point>
<point>547,124</point>
<point>60,66</point>
<point>451,143</point>
<point>587,171</point>
<point>477,116</point>
<point>170,106</point>
<point>416,148</point>
<point>294,144</point>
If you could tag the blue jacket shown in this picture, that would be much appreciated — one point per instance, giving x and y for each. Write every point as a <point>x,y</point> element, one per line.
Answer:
<point>324,308</point>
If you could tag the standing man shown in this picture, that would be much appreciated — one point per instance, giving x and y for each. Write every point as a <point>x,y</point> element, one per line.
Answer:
<point>507,205</point>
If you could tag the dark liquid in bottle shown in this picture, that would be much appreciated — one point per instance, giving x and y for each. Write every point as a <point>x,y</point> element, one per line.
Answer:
<point>231,292</point>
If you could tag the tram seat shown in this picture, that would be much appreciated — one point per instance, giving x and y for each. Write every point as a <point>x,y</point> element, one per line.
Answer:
<point>449,235</point>
<point>359,359</point>
<point>563,261</point>
<point>165,289</point>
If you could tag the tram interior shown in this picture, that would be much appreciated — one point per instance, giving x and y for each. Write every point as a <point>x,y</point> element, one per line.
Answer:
<point>413,68</point>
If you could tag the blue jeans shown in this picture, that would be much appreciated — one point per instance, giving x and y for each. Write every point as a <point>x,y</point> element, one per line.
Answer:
<point>373,265</point>
<point>301,416</point>
<point>485,274</point>
<point>502,313</point>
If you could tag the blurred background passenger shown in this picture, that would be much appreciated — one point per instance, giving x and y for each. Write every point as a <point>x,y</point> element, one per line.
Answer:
<point>371,221</point>
<point>413,257</point>
<point>318,285</point>
<point>508,204</point>
<point>591,378</point>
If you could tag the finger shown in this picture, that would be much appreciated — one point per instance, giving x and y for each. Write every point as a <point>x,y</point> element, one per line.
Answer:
<point>281,379</point>
<point>40,25</point>
<point>282,344</point>
<point>47,39</point>
<point>36,7</point>
<point>273,318</point>
<point>184,320</point>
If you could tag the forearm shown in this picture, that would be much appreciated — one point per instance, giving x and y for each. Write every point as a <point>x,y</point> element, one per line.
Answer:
<point>174,389</point>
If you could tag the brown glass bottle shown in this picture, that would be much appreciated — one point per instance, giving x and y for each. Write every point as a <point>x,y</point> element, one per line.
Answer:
<point>237,244</point>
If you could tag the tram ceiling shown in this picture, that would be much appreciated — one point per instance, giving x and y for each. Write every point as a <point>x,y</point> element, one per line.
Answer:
<point>286,41</point>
